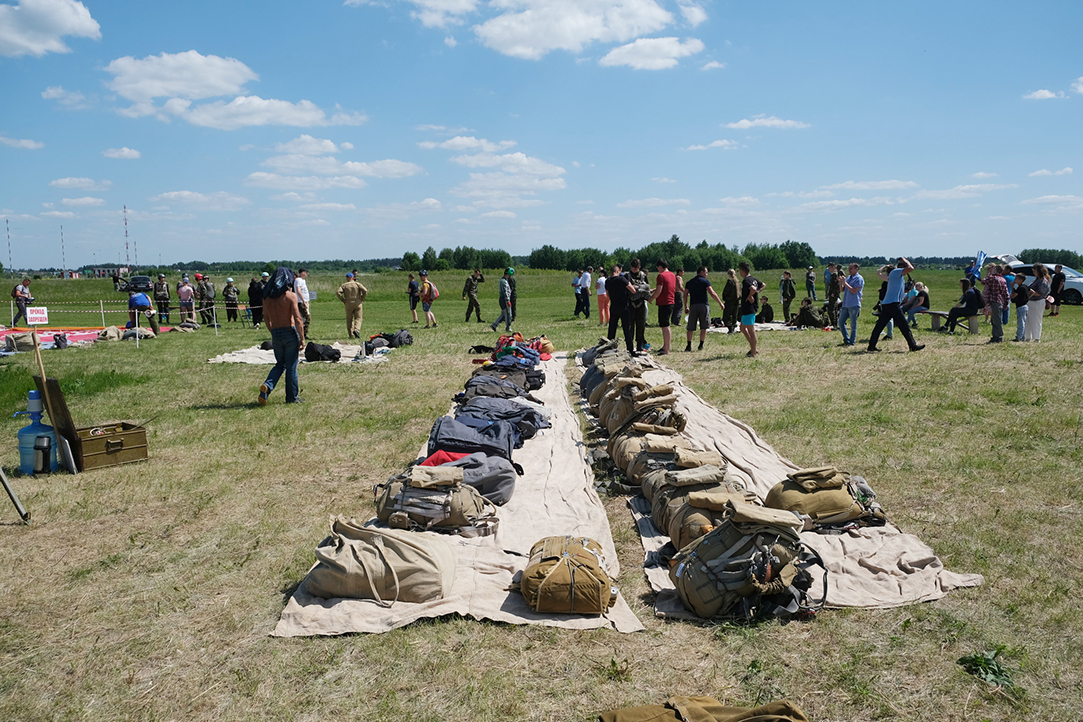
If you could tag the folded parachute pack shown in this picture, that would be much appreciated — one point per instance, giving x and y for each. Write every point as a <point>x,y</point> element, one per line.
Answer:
<point>567,575</point>
<point>827,498</point>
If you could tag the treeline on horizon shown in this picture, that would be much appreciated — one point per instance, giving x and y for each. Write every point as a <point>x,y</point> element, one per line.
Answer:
<point>716,257</point>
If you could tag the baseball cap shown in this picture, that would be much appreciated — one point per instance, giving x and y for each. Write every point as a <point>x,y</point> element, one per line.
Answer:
<point>349,275</point>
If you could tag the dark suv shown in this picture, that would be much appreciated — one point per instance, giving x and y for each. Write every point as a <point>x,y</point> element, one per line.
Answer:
<point>138,283</point>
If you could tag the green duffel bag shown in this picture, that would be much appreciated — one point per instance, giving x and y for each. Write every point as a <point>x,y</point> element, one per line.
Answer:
<point>752,564</point>
<point>385,565</point>
<point>828,499</point>
<point>677,485</point>
<point>434,498</point>
<point>702,511</point>
<point>567,575</point>
<point>706,709</point>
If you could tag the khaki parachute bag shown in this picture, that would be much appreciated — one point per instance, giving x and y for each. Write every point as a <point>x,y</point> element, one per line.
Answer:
<point>385,565</point>
<point>828,497</point>
<point>623,447</point>
<point>434,498</point>
<point>675,486</point>
<point>752,564</point>
<point>706,709</point>
<point>567,575</point>
<point>703,511</point>
<point>649,469</point>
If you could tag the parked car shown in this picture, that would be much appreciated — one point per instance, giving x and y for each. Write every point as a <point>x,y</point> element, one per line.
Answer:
<point>138,283</point>
<point>1073,279</point>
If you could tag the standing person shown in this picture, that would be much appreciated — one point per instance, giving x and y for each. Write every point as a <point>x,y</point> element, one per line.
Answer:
<point>810,283</point>
<point>413,292</point>
<point>1009,281</point>
<point>603,298</point>
<point>575,290</point>
<point>1039,292</point>
<point>585,282</point>
<point>1056,288</point>
<point>620,293</point>
<point>698,307</point>
<point>995,293</point>
<point>22,298</point>
<point>255,299</point>
<point>971,272</point>
<point>678,298</point>
<point>504,299</point>
<point>300,288</point>
<point>1021,299</point>
<point>889,307</point>
<point>199,298</point>
<point>788,291</point>
<point>116,281</point>
<point>828,273</point>
<point>209,295</point>
<point>750,303</point>
<point>429,292</point>
<point>161,298</point>
<point>853,287</point>
<point>514,294</point>
<point>185,296</point>
<point>665,285</point>
<point>834,291</point>
<point>231,294</point>
<point>287,336</point>
<point>352,294</point>
<point>731,301</point>
<point>638,278</point>
<point>470,290</point>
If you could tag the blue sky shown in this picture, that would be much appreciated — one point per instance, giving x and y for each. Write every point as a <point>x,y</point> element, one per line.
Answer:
<point>364,129</point>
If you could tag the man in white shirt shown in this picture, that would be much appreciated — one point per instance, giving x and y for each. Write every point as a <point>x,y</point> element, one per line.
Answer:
<point>300,287</point>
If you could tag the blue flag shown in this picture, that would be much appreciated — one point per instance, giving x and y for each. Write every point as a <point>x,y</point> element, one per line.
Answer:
<point>978,262</point>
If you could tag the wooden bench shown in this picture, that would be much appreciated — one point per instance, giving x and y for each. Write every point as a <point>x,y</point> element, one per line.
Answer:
<point>939,317</point>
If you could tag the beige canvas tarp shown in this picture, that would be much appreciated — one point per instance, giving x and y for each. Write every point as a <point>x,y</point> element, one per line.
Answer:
<point>555,496</point>
<point>870,567</point>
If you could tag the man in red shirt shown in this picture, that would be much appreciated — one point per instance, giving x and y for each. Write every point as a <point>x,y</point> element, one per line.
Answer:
<point>664,287</point>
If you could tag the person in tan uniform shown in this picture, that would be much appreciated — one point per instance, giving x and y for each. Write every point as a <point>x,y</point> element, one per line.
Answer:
<point>353,295</point>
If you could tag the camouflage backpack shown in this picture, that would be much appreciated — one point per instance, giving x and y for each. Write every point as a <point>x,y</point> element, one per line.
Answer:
<point>752,564</point>
<point>434,498</point>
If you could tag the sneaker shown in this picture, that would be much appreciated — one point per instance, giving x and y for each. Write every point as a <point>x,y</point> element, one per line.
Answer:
<point>918,347</point>
<point>297,400</point>
<point>264,392</point>
<point>435,325</point>
<point>700,347</point>
<point>646,346</point>
<point>872,349</point>
<point>663,352</point>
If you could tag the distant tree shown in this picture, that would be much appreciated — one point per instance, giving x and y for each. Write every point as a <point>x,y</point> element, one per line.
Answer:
<point>573,260</point>
<point>765,256</point>
<point>549,257</point>
<point>268,267</point>
<point>428,258</point>
<point>1045,255</point>
<point>448,255</point>
<point>799,255</point>
<point>411,261</point>
<point>492,258</point>
<point>441,264</point>
<point>466,257</point>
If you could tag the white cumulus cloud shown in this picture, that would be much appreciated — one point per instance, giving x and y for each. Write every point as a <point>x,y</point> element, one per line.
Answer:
<point>713,65</point>
<point>326,165</point>
<point>35,27</point>
<point>663,180</point>
<point>329,207</point>
<point>1077,86</point>
<point>983,174</point>
<point>67,98</point>
<point>531,28</point>
<point>246,111</point>
<point>838,205</point>
<point>469,142</point>
<point>1045,171</point>
<point>125,153</point>
<point>85,201</point>
<point>188,75</point>
<point>1044,95</point>
<point>693,14</point>
<point>652,53</point>
<point>307,145</point>
<point>219,201</point>
<point>58,214</point>
<point>509,163</point>
<point>724,144</point>
<point>763,121</point>
<point>963,191</point>
<point>886,185</point>
<point>302,183</point>
<point>654,203</point>
<point>82,184</point>
<point>1062,203</point>
<point>498,214</point>
<point>17,143</point>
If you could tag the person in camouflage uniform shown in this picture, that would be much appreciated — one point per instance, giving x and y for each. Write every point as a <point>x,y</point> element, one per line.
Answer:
<point>209,294</point>
<point>834,292</point>
<point>470,290</point>
<point>231,294</point>
<point>161,298</point>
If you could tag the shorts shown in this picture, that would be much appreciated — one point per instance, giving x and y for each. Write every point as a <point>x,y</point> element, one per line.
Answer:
<point>697,313</point>
<point>426,306</point>
<point>413,302</point>
<point>665,314</point>
<point>186,304</point>
<point>749,319</point>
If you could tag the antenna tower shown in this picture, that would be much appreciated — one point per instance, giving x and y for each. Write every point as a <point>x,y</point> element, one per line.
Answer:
<point>63,258</point>
<point>127,257</point>
<point>7,224</point>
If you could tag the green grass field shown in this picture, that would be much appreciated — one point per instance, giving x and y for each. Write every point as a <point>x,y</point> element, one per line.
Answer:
<point>148,591</point>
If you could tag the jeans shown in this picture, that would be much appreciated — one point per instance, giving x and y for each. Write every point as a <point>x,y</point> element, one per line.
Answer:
<point>505,316</point>
<point>891,312</point>
<point>1020,322</point>
<point>913,312</point>
<point>810,289</point>
<point>849,313</point>
<point>287,347</point>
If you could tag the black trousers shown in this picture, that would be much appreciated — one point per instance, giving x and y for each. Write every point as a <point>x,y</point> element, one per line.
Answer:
<point>639,320</point>
<point>891,312</point>
<point>163,311</point>
<point>624,318</point>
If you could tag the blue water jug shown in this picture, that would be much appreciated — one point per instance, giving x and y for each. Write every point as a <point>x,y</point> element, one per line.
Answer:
<point>29,434</point>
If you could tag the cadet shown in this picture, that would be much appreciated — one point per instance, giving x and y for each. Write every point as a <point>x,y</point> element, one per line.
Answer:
<point>353,295</point>
<point>161,297</point>
<point>470,290</point>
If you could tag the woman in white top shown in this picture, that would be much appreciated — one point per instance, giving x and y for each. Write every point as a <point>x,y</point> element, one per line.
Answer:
<point>1039,291</point>
<point>603,300</point>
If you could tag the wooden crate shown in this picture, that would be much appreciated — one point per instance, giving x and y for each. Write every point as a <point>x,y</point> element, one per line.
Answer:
<point>95,446</point>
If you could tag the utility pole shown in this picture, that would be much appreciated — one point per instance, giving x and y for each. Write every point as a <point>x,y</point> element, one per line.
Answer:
<point>63,257</point>
<point>7,224</point>
<point>127,255</point>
